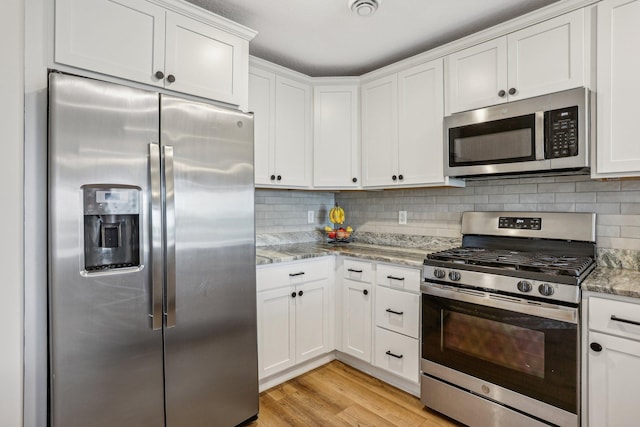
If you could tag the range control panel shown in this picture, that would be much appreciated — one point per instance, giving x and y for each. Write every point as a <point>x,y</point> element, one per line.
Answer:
<point>520,223</point>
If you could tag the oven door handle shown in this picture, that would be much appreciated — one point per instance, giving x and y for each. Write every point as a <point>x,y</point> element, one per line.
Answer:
<point>488,299</point>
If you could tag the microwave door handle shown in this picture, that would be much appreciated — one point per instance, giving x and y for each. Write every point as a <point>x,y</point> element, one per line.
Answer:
<point>539,135</point>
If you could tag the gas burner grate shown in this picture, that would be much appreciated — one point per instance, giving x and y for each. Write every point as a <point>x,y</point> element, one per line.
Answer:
<point>515,260</point>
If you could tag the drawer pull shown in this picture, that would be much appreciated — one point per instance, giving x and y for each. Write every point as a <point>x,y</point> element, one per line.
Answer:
<point>397,356</point>
<point>353,270</point>
<point>619,319</point>
<point>399,313</point>
<point>395,278</point>
<point>296,274</point>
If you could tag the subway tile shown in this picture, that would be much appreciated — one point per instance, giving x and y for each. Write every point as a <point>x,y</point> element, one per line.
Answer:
<point>537,198</point>
<point>618,243</point>
<point>630,185</point>
<point>576,197</point>
<point>618,196</point>
<point>598,208</point>
<point>608,231</point>
<point>483,198</point>
<point>464,191</point>
<point>629,232</point>
<point>585,186</point>
<point>486,207</point>
<point>504,198</point>
<point>491,189</point>
<point>557,187</point>
<point>556,207</point>
<point>632,220</point>
<point>520,188</point>
<point>537,180</point>
<point>629,208</point>
<point>520,207</point>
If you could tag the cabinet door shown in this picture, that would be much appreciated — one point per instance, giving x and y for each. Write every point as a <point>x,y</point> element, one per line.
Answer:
<point>356,319</point>
<point>618,151</point>
<point>336,162</point>
<point>276,330</point>
<point>380,132</point>
<point>312,320</point>
<point>85,37</point>
<point>546,57</point>
<point>205,61</point>
<point>475,76</point>
<point>420,114</point>
<point>262,102</point>
<point>293,148</point>
<point>613,381</point>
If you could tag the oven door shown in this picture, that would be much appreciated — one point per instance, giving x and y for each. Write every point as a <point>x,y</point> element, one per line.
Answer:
<point>527,361</point>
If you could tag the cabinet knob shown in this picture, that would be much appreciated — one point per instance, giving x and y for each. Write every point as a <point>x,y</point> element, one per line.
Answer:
<point>293,294</point>
<point>595,347</point>
<point>273,177</point>
<point>159,75</point>
<point>300,293</point>
<point>279,178</point>
<point>512,91</point>
<point>366,292</point>
<point>502,93</point>
<point>171,78</point>
<point>355,180</point>
<point>394,178</point>
<point>400,177</point>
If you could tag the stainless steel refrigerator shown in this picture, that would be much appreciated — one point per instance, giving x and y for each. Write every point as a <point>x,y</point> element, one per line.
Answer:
<point>152,302</point>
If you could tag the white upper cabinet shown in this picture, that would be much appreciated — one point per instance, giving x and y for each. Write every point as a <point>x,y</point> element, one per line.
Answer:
<point>336,154</point>
<point>402,129</point>
<point>144,42</point>
<point>282,129</point>
<point>618,68</point>
<point>543,58</point>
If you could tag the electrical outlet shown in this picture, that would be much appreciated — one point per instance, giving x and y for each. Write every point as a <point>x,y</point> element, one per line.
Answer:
<point>311,218</point>
<point>402,217</point>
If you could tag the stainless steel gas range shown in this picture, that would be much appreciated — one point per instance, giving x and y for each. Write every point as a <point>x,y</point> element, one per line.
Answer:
<point>500,319</point>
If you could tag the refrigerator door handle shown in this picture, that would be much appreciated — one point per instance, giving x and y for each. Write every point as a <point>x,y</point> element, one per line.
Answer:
<point>170,219</point>
<point>156,237</point>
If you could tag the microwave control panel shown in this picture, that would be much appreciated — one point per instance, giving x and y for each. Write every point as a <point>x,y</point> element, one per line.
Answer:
<point>561,127</point>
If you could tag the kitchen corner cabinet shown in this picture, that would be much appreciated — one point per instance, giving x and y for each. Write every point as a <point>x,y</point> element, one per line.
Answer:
<point>336,125</point>
<point>618,151</point>
<point>540,59</point>
<point>357,309</point>
<point>192,54</point>
<point>283,132</point>
<point>613,362</point>
<point>294,309</point>
<point>402,128</point>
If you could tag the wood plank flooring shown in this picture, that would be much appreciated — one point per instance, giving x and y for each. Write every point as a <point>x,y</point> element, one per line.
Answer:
<point>337,395</point>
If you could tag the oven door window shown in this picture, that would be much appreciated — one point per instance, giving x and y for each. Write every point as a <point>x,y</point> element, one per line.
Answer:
<point>500,141</point>
<point>531,355</point>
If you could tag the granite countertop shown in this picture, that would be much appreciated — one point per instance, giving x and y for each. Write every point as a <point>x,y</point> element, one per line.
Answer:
<point>295,251</point>
<point>613,281</point>
<point>603,279</point>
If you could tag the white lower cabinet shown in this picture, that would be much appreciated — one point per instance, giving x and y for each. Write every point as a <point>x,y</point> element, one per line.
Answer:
<point>397,353</point>
<point>294,314</point>
<point>613,348</point>
<point>357,305</point>
<point>397,321</point>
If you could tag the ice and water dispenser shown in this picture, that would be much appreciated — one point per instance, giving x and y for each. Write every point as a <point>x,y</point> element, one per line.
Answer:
<point>111,227</point>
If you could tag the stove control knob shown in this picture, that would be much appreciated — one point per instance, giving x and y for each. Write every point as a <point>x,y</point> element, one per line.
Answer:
<point>546,289</point>
<point>524,286</point>
<point>454,275</point>
<point>438,273</point>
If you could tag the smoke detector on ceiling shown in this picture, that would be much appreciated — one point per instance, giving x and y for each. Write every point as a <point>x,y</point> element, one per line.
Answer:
<point>364,7</point>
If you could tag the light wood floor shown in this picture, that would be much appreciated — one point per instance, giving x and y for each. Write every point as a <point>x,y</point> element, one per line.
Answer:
<point>338,395</point>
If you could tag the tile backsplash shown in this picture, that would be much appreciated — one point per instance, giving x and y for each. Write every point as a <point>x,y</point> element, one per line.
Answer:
<point>437,211</point>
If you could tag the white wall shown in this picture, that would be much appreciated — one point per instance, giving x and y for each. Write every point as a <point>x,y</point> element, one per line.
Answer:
<point>11,213</point>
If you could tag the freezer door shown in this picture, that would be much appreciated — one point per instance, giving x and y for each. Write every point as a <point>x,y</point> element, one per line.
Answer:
<point>105,357</point>
<point>210,339</point>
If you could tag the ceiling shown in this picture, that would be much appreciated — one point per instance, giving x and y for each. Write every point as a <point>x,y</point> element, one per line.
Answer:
<point>324,38</point>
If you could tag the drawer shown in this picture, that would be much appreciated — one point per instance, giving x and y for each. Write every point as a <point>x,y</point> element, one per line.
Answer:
<point>358,270</point>
<point>397,310</point>
<point>292,273</point>
<point>397,354</point>
<point>399,277</point>
<point>614,317</point>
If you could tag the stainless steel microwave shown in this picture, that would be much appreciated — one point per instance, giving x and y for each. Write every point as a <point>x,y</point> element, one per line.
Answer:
<point>548,133</point>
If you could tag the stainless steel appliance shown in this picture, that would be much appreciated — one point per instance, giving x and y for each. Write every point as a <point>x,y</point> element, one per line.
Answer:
<point>542,134</point>
<point>151,259</point>
<point>500,319</point>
